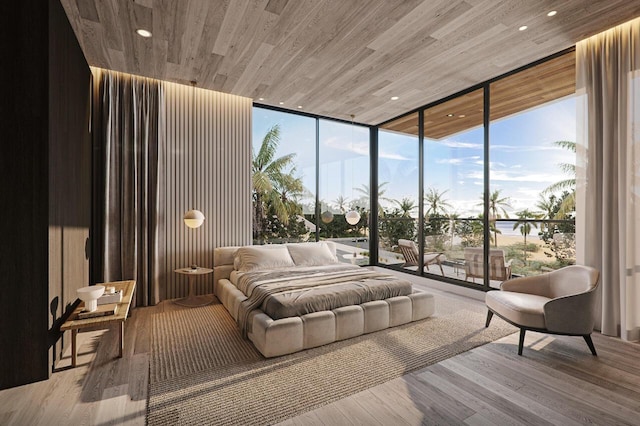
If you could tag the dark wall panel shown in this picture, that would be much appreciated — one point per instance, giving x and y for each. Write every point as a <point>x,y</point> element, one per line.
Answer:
<point>69,172</point>
<point>25,168</point>
<point>24,193</point>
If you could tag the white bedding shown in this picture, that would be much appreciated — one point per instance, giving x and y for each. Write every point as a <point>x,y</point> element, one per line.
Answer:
<point>288,292</point>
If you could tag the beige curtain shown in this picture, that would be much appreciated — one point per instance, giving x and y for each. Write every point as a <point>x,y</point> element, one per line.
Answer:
<point>608,173</point>
<point>129,145</point>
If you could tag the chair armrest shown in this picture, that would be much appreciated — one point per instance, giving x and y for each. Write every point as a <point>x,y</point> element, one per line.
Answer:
<point>571,314</point>
<point>537,285</point>
<point>432,256</point>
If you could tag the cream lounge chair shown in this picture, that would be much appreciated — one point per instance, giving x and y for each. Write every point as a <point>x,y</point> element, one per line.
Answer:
<point>410,252</point>
<point>499,270</point>
<point>558,302</point>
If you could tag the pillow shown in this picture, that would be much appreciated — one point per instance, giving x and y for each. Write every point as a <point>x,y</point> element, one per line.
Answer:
<point>311,254</point>
<point>252,258</point>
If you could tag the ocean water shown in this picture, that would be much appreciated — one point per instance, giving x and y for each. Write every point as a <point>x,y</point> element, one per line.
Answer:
<point>506,228</point>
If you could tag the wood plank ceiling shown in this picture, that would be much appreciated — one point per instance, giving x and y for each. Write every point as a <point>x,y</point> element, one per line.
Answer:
<point>537,85</point>
<point>335,57</point>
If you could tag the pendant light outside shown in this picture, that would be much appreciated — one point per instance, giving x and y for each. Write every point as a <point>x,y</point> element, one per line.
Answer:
<point>352,217</point>
<point>326,216</point>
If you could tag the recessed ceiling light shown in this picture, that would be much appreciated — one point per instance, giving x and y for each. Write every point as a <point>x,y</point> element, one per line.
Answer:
<point>299,106</point>
<point>522,28</point>
<point>143,33</point>
<point>450,115</point>
<point>552,13</point>
<point>461,116</point>
<point>261,99</point>
<point>394,98</point>
<point>281,103</point>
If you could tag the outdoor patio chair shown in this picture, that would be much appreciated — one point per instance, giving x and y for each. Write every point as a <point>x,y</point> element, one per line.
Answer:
<point>499,270</point>
<point>410,252</point>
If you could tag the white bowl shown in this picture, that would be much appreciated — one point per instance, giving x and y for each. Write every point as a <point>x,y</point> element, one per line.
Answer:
<point>89,295</point>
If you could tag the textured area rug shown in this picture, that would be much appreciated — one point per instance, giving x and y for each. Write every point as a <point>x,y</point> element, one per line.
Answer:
<point>203,372</point>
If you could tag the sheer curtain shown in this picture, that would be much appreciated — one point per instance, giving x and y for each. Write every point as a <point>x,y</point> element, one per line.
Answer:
<point>129,144</point>
<point>608,173</point>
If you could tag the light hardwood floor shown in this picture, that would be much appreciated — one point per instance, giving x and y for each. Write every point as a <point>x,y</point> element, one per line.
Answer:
<point>556,381</point>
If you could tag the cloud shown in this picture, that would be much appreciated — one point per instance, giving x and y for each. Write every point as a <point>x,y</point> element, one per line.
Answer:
<point>525,148</point>
<point>457,161</point>
<point>360,148</point>
<point>532,177</point>
<point>498,175</point>
<point>454,161</point>
<point>456,144</point>
<point>474,175</point>
<point>392,156</point>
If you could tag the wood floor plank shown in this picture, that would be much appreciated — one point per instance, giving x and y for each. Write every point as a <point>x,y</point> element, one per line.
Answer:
<point>394,397</point>
<point>110,409</point>
<point>136,408</point>
<point>489,405</point>
<point>594,400</point>
<point>538,390</point>
<point>435,402</point>
<point>512,395</point>
<point>352,408</point>
<point>310,419</point>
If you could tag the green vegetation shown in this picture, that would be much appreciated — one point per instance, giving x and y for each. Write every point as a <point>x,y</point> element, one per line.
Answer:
<point>276,189</point>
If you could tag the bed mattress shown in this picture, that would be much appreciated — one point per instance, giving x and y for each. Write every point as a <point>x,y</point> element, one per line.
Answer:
<point>298,291</point>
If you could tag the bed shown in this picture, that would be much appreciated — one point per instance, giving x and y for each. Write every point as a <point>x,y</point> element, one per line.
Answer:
<point>290,297</point>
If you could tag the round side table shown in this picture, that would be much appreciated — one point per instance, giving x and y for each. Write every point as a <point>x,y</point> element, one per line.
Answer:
<point>193,301</point>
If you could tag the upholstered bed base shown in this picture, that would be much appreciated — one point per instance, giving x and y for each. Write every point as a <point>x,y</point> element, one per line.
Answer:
<point>288,335</point>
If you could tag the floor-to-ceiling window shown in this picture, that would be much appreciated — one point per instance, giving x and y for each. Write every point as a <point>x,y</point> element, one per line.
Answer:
<point>398,205</point>
<point>311,180</point>
<point>344,189</point>
<point>498,178</point>
<point>532,174</point>
<point>453,186</point>
<point>283,176</point>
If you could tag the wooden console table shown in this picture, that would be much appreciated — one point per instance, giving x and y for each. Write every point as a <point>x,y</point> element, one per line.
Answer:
<point>74,324</point>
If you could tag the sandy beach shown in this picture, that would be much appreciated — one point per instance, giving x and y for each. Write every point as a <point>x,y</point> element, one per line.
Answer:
<point>507,240</point>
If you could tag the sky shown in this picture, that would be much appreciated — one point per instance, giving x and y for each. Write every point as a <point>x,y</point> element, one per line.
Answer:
<point>523,157</point>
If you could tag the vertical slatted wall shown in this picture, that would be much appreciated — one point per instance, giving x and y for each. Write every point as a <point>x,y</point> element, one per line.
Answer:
<point>207,166</point>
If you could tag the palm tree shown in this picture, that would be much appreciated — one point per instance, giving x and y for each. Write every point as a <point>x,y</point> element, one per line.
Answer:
<point>546,206</point>
<point>407,206</point>
<point>525,226</point>
<point>274,188</point>
<point>436,203</point>
<point>453,226</point>
<point>366,196</point>
<point>341,203</point>
<point>569,203</point>
<point>366,191</point>
<point>496,211</point>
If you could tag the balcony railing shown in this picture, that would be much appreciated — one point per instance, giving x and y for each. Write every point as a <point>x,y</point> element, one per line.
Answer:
<point>550,244</point>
